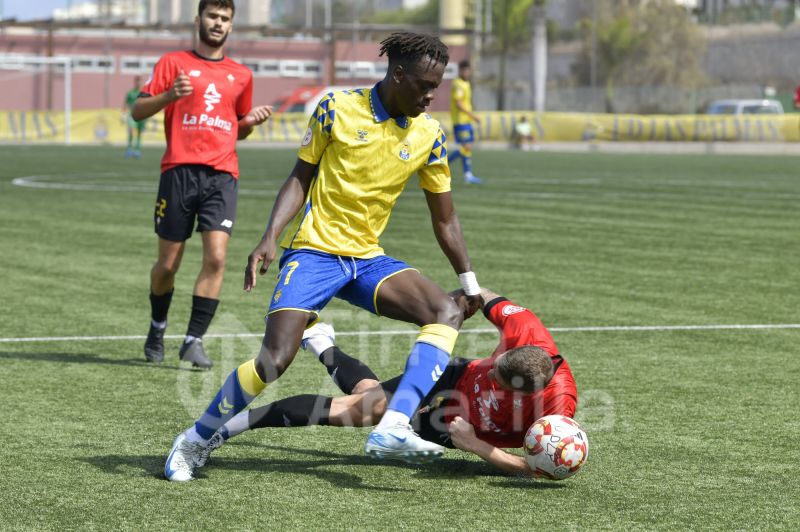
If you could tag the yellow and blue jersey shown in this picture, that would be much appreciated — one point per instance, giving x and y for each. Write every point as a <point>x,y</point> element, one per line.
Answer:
<point>364,159</point>
<point>460,91</point>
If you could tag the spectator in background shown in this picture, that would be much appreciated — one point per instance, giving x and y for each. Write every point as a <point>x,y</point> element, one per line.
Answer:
<point>523,138</point>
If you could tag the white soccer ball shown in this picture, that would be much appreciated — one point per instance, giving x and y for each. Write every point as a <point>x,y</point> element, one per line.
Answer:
<point>556,447</point>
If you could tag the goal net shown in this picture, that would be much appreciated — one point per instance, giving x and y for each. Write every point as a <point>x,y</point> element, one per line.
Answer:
<point>35,99</point>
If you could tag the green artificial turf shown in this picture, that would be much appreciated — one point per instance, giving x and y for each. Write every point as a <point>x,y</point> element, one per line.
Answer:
<point>687,428</point>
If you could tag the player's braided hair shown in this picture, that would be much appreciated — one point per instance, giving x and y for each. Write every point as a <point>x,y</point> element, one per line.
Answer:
<point>527,368</point>
<point>215,3</point>
<point>407,48</point>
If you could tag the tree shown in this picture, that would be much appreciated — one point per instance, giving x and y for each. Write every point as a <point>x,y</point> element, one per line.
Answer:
<point>641,43</point>
<point>513,26</point>
<point>424,15</point>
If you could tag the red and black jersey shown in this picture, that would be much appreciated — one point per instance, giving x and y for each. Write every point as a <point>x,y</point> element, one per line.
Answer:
<point>202,128</point>
<point>502,417</point>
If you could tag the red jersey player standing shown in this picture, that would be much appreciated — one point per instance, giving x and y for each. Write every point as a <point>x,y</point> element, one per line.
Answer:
<point>207,99</point>
<point>479,406</point>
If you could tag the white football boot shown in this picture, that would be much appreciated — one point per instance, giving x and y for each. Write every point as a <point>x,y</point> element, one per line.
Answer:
<point>214,443</point>
<point>400,442</point>
<point>182,459</point>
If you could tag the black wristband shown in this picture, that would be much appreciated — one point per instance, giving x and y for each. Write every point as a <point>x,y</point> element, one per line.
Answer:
<point>487,308</point>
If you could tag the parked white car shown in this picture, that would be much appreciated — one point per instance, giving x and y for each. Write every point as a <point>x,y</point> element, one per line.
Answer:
<point>745,107</point>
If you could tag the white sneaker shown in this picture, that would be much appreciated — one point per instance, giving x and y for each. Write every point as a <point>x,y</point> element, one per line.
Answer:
<point>182,459</point>
<point>399,442</point>
<point>318,338</point>
<point>214,443</point>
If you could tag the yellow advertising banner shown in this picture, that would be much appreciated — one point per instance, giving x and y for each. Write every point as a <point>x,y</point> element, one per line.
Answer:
<point>110,126</point>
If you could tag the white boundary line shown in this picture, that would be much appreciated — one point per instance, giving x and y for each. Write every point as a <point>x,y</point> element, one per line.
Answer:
<point>611,328</point>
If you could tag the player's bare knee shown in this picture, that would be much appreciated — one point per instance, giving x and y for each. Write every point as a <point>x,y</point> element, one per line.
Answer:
<point>272,362</point>
<point>364,385</point>
<point>165,269</point>
<point>375,411</point>
<point>448,313</point>
<point>215,263</point>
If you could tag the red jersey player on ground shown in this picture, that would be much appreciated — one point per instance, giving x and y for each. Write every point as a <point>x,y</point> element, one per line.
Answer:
<point>478,406</point>
<point>207,103</point>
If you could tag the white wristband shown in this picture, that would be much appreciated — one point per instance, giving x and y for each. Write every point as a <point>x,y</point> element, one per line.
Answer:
<point>469,283</point>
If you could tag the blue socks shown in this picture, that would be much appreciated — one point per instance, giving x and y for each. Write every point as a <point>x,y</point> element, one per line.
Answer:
<point>240,388</point>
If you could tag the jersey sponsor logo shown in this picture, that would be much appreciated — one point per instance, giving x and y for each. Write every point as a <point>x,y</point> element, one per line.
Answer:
<point>211,97</point>
<point>404,153</point>
<point>208,121</point>
<point>508,310</point>
<point>227,223</point>
<point>307,138</point>
<point>194,73</point>
<point>362,134</point>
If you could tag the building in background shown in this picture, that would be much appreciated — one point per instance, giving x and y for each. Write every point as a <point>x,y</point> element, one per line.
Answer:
<point>157,12</point>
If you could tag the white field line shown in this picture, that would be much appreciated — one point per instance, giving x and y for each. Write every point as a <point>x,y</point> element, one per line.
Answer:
<point>611,328</point>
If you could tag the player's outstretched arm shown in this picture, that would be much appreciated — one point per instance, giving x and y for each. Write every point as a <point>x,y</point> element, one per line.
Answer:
<point>447,229</point>
<point>290,199</point>
<point>463,109</point>
<point>467,305</point>
<point>147,106</point>
<point>487,296</point>
<point>462,434</point>
<point>257,115</point>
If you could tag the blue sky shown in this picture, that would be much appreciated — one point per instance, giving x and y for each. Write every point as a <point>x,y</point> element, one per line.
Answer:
<point>32,9</point>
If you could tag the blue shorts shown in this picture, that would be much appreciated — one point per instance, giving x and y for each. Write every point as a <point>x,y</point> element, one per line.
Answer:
<point>464,133</point>
<point>309,279</point>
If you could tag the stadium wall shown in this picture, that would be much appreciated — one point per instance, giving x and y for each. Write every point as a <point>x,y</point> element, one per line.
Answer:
<point>108,126</point>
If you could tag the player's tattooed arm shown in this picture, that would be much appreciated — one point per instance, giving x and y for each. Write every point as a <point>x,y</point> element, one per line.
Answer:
<point>487,296</point>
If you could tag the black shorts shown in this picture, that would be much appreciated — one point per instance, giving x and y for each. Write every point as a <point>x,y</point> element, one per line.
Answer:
<point>429,419</point>
<point>194,191</point>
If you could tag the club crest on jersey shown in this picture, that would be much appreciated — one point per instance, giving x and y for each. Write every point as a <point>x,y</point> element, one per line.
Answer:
<point>307,138</point>
<point>231,78</point>
<point>405,154</point>
<point>211,97</point>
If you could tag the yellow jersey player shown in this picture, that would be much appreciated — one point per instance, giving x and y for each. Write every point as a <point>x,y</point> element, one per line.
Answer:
<point>360,150</point>
<point>463,117</point>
